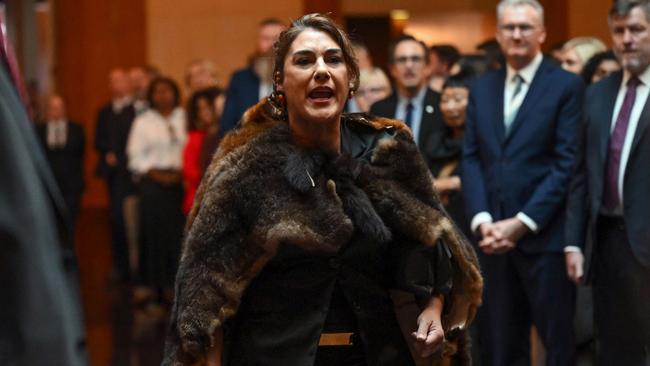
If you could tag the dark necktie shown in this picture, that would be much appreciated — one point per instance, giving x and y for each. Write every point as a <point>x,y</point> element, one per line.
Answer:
<point>409,114</point>
<point>512,112</point>
<point>60,135</point>
<point>611,195</point>
<point>519,82</point>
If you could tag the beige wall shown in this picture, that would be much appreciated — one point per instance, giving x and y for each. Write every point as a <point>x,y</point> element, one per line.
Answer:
<point>223,31</point>
<point>589,18</point>
<point>464,23</point>
<point>463,29</point>
<point>367,7</point>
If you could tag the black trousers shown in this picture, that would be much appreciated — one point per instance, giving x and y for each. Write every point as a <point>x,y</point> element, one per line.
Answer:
<point>352,355</point>
<point>161,232</point>
<point>523,289</point>
<point>118,188</point>
<point>621,298</point>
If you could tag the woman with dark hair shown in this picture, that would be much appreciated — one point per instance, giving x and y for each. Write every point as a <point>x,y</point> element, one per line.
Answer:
<point>600,66</point>
<point>305,220</point>
<point>202,120</point>
<point>453,105</point>
<point>154,149</point>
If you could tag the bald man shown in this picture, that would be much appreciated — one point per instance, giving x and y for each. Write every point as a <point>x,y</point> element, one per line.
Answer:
<point>64,143</point>
<point>113,126</point>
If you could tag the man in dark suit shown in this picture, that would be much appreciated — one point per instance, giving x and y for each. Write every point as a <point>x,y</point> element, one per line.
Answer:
<point>609,198</point>
<point>64,145</point>
<point>114,122</point>
<point>412,101</point>
<point>248,85</point>
<point>40,312</point>
<point>518,151</point>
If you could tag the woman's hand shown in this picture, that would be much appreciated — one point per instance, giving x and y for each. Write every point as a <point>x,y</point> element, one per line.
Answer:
<point>447,184</point>
<point>430,334</point>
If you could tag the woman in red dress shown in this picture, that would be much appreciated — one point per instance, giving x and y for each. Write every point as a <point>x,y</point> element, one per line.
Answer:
<point>202,119</point>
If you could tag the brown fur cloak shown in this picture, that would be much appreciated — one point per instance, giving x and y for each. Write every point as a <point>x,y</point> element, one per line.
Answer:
<point>247,205</point>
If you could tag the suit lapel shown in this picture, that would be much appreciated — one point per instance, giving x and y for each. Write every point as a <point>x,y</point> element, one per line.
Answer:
<point>536,91</point>
<point>641,126</point>
<point>427,120</point>
<point>392,104</point>
<point>607,111</point>
<point>497,104</point>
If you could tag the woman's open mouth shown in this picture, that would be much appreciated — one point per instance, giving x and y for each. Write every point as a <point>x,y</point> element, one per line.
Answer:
<point>321,94</point>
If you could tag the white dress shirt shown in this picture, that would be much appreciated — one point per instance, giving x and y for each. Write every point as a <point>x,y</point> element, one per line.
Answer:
<point>266,87</point>
<point>151,144</point>
<point>57,133</point>
<point>120,103</point>
<point>642,91</point>
<point>418,108</point>
<point>511,105</point>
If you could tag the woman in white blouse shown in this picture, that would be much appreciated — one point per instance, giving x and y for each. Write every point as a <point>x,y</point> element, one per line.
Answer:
<point>154,150</point>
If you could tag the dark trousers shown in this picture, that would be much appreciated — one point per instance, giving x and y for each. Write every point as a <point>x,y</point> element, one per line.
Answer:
<point>161,223</point>
<point>340,356</point>
<point>621,298</point>
<point>119,186</point>
<point>524,289</point>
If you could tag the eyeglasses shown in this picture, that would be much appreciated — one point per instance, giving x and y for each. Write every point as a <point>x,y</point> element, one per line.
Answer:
<point>524,29</point>
<point>402,60</point>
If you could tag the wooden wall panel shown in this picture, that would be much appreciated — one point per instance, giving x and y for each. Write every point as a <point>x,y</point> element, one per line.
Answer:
<point>91,37</point>
<point>556,21</point>
<point>589,18</point>
<point>222,31</point>
<point>330,7</point>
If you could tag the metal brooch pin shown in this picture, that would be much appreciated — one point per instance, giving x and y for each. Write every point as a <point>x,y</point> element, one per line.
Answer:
<point>313,184</point>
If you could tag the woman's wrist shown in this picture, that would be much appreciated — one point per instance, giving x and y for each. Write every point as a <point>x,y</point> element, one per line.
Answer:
<point>435,304</point>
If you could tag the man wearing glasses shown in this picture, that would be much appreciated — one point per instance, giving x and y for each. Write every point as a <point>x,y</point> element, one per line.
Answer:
<point>520,143</point>
<point>412,101</point>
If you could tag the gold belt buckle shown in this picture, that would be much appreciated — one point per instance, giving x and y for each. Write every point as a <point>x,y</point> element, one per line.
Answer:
<point>335,339</point>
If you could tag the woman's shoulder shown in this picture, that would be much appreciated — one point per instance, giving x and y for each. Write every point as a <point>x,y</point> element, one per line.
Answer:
<point>372,122</point>
<point>256,121</point>
<point>361,132</point>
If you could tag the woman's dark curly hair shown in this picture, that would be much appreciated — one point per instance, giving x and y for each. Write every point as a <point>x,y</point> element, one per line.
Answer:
<point>209,94</point>
<point>163,80</point>
<point>592,64</point>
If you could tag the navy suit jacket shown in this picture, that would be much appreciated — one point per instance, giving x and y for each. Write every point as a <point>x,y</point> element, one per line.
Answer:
<point>66,162</point>
<point>40,313</point>
<point>528,170</point>
<point>586,190</point>
<point>243,93</point>
<point>432,127</point>
<point>111,135</point>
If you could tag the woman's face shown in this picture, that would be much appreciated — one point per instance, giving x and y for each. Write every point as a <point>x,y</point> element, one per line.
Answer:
<point>316,80</point>
<point>163,97</point>
<point>604,69</point>
<point>453,105</point>
<point>571,62</point>
<point>370,93</point>
<point>205,112</point>
<point>218,105</point>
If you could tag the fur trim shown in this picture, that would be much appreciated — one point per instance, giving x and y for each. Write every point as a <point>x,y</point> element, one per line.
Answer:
<point>247,202</point>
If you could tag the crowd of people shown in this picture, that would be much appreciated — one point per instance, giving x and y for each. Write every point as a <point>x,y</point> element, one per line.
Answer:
<point>518,144</point>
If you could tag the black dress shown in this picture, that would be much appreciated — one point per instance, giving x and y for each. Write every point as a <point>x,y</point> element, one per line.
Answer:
<point>300,294</point>
<point>446,163</point>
